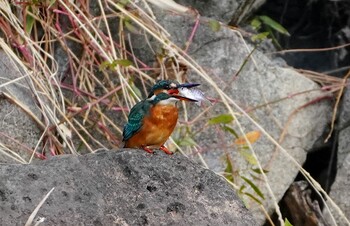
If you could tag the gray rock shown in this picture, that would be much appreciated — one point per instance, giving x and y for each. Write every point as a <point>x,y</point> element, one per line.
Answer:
<point>223,10</point>
<point>340,193</point>
<point>219,10</point>
<point>261,81</point>
<point>129,187</point>
<point>344,125</point>
<point>340,188</point>
<point>18,131</point>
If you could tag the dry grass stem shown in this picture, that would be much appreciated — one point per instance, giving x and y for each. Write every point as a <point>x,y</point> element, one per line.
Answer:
<point>82,93</point>
<point>35,212</point>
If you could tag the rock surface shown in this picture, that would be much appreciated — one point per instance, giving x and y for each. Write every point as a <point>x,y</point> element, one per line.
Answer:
<point>260,81</point>
<point>344,126</point>
<point>219,10</point>
<point>128,187</point>
<point>340,188</point>
<point>340,193</point>
<point>224,10</point>
<point>17,130</point>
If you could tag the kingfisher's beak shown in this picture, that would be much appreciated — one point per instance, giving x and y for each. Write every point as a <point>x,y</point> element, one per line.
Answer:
<point>187,85</point>
<point>184,98</point>
<point>175,90</point>
<point>182,92</point>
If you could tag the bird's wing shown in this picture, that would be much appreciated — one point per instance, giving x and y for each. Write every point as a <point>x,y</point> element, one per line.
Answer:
<point>135,119</point>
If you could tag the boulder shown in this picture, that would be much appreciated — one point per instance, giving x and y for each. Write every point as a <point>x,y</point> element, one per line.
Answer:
<point>293,109</point>
<point>344,128</point>
<point>224,10</point>
<point>218,10</point>
<point>340,194</point>
<point>340,188</point>
<point>125,187</point>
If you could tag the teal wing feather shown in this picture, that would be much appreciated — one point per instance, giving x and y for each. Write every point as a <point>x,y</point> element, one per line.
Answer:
<point>135,119</point>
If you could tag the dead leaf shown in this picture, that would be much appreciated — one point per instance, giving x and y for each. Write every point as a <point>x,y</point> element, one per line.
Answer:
<point>252,137</point>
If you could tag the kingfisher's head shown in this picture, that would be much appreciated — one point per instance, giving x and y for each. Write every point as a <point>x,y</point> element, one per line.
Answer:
<point>169,86</point>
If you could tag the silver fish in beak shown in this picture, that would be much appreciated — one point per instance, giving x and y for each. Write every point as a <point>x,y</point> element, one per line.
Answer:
<point>193,94</point>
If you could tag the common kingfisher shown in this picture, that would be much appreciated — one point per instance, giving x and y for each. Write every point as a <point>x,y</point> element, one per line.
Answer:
<point>152,120</point>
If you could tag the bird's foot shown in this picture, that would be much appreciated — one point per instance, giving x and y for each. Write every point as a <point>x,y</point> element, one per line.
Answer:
<point>147,150</point>
<point>166,150</point>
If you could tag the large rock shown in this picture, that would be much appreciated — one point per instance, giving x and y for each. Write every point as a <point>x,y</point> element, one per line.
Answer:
<point>295,121</point>
<point>340,194</point>
<point>129,187</point>
<point>340,188</point>
<point>219,10</point>
<point>224,10</point>
<point>344,127</point>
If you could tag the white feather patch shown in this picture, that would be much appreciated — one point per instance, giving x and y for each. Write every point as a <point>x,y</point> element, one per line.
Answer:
<point>169,101</point>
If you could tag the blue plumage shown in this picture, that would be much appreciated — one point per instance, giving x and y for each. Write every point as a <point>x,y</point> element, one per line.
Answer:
<point>135,119</point>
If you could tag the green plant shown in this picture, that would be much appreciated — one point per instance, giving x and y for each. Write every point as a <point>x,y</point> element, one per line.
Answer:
<point>266,27</point>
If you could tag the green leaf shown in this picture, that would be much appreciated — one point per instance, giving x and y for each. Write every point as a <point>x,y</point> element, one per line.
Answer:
<point>229,169</point>
<point>247,155</point>
<point>253,197</point>
<point>230,130</point>
<point>258,171</point>
<point>224,118</point>
<point>135,89</point>
<point>103,65</point>
<point>255,23</point>
<point>287,223</point>
<point>252,185</point>
<point>123,3</point>
<point>260,37</point>
<point>111,66</point>
<point>133,29</point>
<point>214,25</point>
<point>188,141</point>
<point>274,25</point>
<point>123,62</point>
<point>241,189</point>
<point>245,147</point>
<point>29,21</point>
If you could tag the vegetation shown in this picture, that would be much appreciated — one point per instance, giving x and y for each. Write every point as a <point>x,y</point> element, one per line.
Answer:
<point>78,59</point>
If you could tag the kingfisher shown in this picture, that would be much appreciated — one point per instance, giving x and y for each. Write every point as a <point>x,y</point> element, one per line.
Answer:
<point>152,120</point>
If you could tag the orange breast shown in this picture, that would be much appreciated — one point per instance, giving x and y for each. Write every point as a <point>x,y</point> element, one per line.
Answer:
<point>156,128</point>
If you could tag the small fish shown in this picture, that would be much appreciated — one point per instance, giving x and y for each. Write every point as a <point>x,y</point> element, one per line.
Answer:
<point>194,94</point>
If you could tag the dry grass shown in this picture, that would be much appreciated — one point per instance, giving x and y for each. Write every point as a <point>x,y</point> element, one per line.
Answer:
<point>84,95</point>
